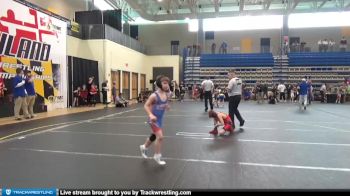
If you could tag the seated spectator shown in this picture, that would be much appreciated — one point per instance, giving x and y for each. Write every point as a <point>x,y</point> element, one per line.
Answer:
<point>120,101</point>
<point>140,98</point>
<point>247,94</point>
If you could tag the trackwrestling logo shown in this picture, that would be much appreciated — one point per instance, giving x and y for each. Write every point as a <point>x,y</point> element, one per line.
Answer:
<point>8,191</point>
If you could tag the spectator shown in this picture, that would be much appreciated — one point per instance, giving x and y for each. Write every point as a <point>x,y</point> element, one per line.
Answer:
<point>121,102</point>
<point>194,47</point>
<point>331,45</point>
<point>291,93</point>
<point>182,91</point>
<point>310,94</point>
<point>303,94</point>
<point>114,91</point>
<point>93,94</point>
<point>275,91</point>
<point>213,48</point>
<point>19,94</point>
<point>104,91</point>
<point>29,86</point>
<point>189,51</point>
<point>259,93</point>
<point>2,90</point>
<point>302,46</point>
<point>320,46</point>
<point>195,92</point>
<point>177,91</point>
<point>223,48</point>
<point>339,93</point>
<point>343,44</point>
<point>247,94</point>
<point>76,95</point>
<point>172,86</point>
<point>84,94</point>
<point>325,44</point>
<point>323,91</point>
<point>88,88</point>
<point>207,90</point>
<point>265,91</point>
<point>281,88</point>
<point>272,99</point>
<point>139,98</point>
<point>199,50</point>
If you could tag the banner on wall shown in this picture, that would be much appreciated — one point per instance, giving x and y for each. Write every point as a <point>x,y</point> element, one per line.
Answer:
<point>36,42</point>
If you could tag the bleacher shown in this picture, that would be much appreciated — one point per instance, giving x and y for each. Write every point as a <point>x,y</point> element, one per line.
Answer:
<point>319,59</point>
<point>331,68</point>
<point>234,60</point>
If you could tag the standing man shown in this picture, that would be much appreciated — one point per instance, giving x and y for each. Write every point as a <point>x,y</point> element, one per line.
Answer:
<point>310,94</point>
<point>2,91</point>
<point>213,48</point>
<point>19,95</point>
<point>114,91</point>
<point>88,87</point>
<point>323,91</point>
<point>104,92</point>
<point>29,86</point>
<point>182,91</point>
<point>303,94</point>
<point>282,88</point>
<point>208,86</point>
<point>234,89</point>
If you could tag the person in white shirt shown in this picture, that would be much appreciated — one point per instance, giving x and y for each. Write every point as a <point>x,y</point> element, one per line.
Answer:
<point>281,88</point>
<point>234,90</point>
<point>323,91</point>
<point>331,45</point>
<point>208,86</point>
<point>325,45</point>
<point>320,48</point>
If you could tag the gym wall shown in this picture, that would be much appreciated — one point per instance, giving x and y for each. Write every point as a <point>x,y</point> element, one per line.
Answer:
<point>65,8</point>
<point>112,56</point>
<point>157,38</point>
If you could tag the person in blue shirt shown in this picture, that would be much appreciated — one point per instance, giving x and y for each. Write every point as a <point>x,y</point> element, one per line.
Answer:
<point>19,94</point>
<point>29,86</point>
<point>155,107</point>
<point>304,88</point>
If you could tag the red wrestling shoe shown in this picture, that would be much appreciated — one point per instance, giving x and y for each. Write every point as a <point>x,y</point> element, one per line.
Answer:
<point>214,132</point>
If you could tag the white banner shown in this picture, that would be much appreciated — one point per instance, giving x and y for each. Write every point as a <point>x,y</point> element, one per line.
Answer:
<point>36,42</point>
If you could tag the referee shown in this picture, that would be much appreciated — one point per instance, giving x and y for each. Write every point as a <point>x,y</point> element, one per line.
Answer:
<point>208,86</point>
<point>234,89</point>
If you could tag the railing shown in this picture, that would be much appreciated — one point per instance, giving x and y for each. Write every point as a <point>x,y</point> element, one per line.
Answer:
<point>102,31</point>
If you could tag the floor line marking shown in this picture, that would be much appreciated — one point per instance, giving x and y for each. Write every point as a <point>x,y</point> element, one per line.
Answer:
<point>188,160</point>
<point>287,142</point>
<point>197,137</point>
<point>36,128</point>
<point>6,138</point>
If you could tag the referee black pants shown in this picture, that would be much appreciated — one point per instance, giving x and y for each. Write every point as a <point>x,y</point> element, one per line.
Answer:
<point>233,109</point>
<point>208,95</point>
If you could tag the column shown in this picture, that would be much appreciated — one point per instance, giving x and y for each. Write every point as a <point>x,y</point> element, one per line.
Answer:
<point>285,35</point>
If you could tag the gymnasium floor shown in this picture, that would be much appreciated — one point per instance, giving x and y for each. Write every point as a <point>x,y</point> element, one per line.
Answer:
<point>279,147</point>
